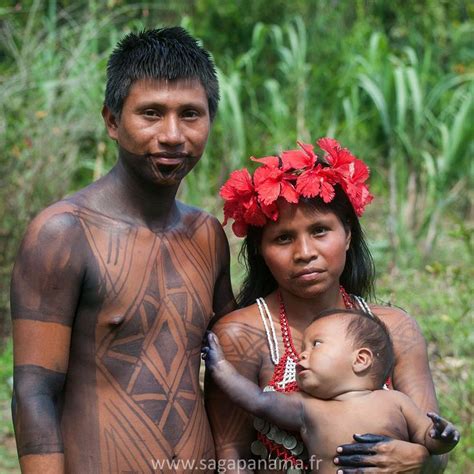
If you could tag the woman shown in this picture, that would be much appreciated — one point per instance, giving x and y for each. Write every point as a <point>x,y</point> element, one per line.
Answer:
<point>305,253</point>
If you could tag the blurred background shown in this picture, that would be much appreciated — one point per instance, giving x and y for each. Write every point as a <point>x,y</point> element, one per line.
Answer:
<point>392,81</point>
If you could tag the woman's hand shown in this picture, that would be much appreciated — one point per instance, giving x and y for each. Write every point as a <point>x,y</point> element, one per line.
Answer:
<point>376,453</point>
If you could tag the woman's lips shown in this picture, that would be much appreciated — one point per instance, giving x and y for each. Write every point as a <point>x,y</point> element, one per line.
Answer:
<point>309,275</point>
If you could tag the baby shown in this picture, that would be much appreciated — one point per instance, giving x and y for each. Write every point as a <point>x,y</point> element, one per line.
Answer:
<point>347,356</point>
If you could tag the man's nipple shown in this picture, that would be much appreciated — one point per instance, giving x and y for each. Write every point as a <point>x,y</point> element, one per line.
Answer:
<point>117,320</point>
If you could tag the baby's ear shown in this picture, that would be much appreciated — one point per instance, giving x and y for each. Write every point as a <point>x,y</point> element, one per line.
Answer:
<point>363,359</point>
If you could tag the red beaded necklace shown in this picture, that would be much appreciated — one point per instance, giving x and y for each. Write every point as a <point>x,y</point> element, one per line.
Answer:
<point>290,351</point>
<point>280,380</point>
<point>285,327</point>
<point>346,298</point>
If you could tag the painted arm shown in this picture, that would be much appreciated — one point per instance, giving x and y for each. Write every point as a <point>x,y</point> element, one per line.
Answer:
<point>44,293</point>
<point>231,426</point>
<point>437,434</point>
<point>223,301</point>
<point>411,376</point>
<point>283,410</point>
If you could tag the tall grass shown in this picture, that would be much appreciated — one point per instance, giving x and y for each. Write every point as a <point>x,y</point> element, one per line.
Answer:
<point>396,108</point>
<point>407,110</point>
<point>51,88</point>
<point>427,147</point>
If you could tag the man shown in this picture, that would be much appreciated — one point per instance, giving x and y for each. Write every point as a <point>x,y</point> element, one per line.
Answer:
<point>114,287</point>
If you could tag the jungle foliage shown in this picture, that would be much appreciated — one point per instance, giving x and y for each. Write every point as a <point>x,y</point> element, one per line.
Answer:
<point>393,81</point>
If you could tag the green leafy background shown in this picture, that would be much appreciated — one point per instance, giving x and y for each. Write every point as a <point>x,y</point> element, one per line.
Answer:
<point>393,81</point>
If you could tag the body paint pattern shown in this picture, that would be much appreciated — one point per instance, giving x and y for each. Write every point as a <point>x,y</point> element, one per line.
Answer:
<point>132,393</point>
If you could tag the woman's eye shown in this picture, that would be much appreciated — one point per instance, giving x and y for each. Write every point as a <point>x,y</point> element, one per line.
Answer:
<point>316,343</point>
<point>319,230</point>
<point>283,239</point>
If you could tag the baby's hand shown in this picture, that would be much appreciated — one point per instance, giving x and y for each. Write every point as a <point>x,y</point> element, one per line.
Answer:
<point>211,352</point>
<point>443,429</point>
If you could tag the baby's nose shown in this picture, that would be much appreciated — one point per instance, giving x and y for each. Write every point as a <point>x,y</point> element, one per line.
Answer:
<point>301,364</point>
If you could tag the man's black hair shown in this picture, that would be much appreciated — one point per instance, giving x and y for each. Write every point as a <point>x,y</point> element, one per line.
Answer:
<point>162,54</point>
<point>359,271</point>
<point>368,330</point>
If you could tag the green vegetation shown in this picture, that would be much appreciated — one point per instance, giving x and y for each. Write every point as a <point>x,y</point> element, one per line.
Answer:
<point>393,81</point>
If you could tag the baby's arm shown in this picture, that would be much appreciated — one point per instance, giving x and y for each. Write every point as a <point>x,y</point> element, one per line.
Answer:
<point>442,432</point>
<point>438,437</point>
<point>285,411</point>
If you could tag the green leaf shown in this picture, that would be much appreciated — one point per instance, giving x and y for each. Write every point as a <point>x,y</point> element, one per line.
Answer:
<point>401,95</point>
<point>378,98</point>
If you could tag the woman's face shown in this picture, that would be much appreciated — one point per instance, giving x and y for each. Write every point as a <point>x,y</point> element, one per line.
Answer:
<point>305,249</point>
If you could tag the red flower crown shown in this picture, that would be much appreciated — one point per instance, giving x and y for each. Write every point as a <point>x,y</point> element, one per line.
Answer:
<point>253,200</point>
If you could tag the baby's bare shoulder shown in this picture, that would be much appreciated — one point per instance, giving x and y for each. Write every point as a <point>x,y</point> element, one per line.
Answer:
<point>390,396</point>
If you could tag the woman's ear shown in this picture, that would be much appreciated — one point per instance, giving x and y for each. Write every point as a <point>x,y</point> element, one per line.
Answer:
<point>363,359</point>
<point>111,122</point>
<point>348,238</point>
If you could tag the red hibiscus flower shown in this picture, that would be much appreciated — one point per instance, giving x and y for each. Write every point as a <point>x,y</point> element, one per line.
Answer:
<point>253,201</point>
<point>237,192</point>
<point>336,156</point>
<point>239,184</point>
<point>361,199</point>
<point>299,159</point>
<point>270,161</point>
<point>318,181</point>
<point>271,183</point>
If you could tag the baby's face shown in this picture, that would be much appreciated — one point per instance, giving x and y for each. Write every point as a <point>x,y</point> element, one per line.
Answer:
<point>326,361</point>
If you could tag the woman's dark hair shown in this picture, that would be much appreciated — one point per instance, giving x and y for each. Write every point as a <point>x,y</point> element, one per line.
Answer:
<point>359,271</point>
<point>165,53</point>
<point>368,330</point>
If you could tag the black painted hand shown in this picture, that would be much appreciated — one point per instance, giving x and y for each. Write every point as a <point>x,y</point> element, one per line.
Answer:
<point>211,351</point>
<point>357,455</point>
<point>377,453</point>
<point>443,429</point>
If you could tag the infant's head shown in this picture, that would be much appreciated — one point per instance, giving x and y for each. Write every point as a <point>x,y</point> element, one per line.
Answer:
<point>344,350</point>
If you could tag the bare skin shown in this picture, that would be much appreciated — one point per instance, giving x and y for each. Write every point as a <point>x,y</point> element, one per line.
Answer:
<point>337,390</point>
<point>244,344</point>
<point>112,292</point>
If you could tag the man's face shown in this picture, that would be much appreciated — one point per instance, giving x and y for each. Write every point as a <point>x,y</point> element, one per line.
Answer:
<point>162,130</point>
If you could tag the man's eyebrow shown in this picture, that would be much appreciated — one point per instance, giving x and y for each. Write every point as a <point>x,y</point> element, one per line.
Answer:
<point>161,105</point>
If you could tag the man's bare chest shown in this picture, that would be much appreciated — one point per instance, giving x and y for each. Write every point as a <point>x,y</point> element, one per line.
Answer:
<point>127,262</point>
<point>139,285</point>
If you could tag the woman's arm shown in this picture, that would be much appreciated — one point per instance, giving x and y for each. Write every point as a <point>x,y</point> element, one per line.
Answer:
<point>232,427</point>
<point>411,376</point>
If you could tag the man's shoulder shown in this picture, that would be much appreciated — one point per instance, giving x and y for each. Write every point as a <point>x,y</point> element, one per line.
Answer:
<point>56,218</point>
<point>193,211</point>
<point>54,231</point>
<point>194,218</point>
